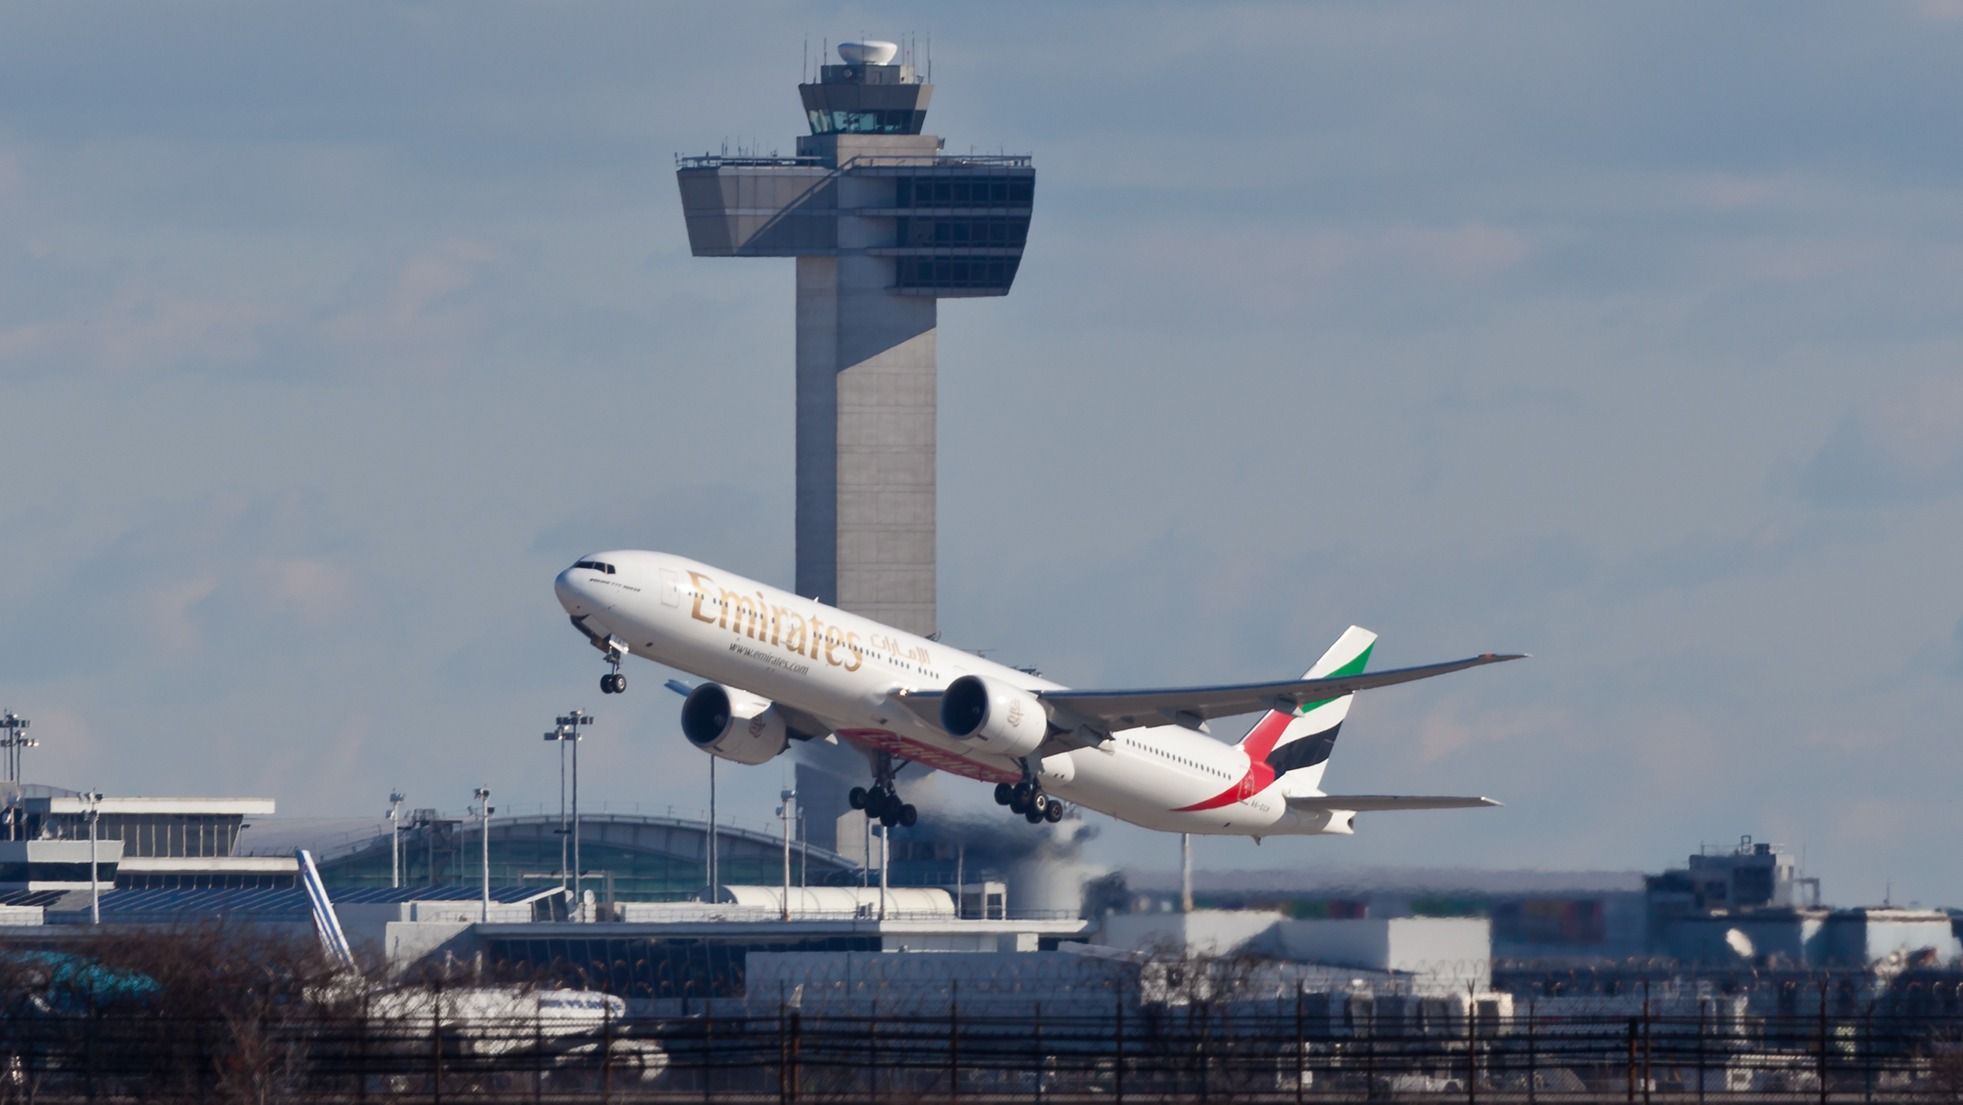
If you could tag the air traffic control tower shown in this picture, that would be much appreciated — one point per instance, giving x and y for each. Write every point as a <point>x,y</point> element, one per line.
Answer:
<point>883,225</point>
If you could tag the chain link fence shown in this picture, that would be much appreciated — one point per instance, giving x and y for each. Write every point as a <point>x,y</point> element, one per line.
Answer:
<point>209,1017</point>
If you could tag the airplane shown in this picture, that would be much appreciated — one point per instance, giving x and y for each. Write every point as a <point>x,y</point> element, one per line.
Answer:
<point>783,669</point>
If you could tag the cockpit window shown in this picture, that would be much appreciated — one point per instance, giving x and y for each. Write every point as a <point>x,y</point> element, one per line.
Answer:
<point>596,565</point>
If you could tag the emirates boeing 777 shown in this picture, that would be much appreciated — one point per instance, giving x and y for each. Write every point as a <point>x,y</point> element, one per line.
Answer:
<point>783,669</point>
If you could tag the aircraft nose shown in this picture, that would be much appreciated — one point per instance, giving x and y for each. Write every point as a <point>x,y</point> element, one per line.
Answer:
<point>569,594</point>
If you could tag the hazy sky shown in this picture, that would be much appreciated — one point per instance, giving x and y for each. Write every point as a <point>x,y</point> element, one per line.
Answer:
<point>1630,336</point>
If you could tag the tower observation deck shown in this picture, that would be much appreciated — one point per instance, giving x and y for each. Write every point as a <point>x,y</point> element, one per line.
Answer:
<point>882,225</point>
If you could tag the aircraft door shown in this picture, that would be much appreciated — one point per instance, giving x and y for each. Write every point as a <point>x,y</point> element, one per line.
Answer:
<point>671,587</point>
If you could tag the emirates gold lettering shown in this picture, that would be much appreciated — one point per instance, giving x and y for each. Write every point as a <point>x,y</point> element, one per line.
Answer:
<point>702,584</point>
<point>755,617</point>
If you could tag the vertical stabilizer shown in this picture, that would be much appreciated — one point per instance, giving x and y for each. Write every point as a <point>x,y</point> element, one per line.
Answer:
<point>1297,745</point>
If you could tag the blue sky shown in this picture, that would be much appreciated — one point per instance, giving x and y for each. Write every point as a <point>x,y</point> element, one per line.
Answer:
<point>1625,335</point>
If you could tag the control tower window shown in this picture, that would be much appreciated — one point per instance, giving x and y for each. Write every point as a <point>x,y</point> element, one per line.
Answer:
<point>958,191</point>
<point>865,122</point>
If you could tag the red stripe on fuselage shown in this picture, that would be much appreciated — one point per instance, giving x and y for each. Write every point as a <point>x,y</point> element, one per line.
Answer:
<point>1258,778</point>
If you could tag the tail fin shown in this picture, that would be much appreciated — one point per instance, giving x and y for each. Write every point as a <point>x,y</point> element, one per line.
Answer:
<point>1297,745</point>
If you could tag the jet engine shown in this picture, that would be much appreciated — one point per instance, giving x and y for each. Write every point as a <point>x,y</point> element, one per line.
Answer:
<point>735,725</point>
<point>1002,719</point>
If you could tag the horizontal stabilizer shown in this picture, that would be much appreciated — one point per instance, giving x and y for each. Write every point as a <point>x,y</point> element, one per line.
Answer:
<point>1370,803</point>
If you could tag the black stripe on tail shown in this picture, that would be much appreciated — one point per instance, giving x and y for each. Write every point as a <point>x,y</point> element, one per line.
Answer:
<point>1307,752</point>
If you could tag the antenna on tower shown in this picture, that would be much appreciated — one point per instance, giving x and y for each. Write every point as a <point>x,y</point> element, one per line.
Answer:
<point>804,60</point>
<point>930,57</point>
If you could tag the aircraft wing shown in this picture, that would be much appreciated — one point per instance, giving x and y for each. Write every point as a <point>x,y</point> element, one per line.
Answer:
<point>1369,803</point>
<point>1113,710</point>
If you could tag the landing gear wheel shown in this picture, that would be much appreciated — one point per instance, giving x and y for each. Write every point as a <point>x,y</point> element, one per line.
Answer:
<point>619,683</point>
<point>856,798</point>
<point>1054,814</point>
<point>888,817</point>
<point>606,684</point>
<point>1039,803</point>
<point>1033,817</point>
<point>1004,794</point>
<point>1022,793</point>
<point>908,815</point>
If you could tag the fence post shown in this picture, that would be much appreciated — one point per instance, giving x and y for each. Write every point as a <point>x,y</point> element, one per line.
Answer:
<point>538,1055</point>
<point>872,1030</point>
<point>783,1046</point>
<point>1301,1042</point>
<point>88,1046</point>
<point>1205,1068</point>
<point>1041,1063</point>
<point>606,1054</point>
<point>954,1040</point>
<point>708,1047</point>
<point>1701,1076</point>
<point>1118,1045</point>
<point>797,1036</point>
<point>436,1045</point>
<point>1471,1047</point>
<point>1867,1055</point>
<point>1533,1055</point>
<point>1823,1039</point>
<point>1370,1052</point>
<point>1629,1069</point>
<point>1648,1079</point>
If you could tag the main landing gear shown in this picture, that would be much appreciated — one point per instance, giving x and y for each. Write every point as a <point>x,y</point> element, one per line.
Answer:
<point>613,682</point>
<point>1027,798</point>
<point>883,803</point>
<point>882,799</point>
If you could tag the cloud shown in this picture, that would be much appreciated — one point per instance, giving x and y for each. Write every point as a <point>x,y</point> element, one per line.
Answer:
<point>311,589</point>
<point>142,331</point>
<point>1447,733</point>
<point>1903,443</point>
<point>424,322</point>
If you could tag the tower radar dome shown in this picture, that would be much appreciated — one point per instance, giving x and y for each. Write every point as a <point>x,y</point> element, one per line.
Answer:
<point>870,52</point>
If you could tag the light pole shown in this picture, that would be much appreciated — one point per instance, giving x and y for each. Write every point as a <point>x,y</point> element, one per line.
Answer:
<point>786,799</point>
<point>395,838</point>
<point>483,796</point>
<point>94,800</point>
<point>560,736</point>
<point>14,727</point>
<point>574,721</point>
<point>714,893</point>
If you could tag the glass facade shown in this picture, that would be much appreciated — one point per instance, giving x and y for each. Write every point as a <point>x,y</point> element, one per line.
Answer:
<point>639,967</point>
<point>990,190</point>
<point>866,122</point>
<point>1003,231</point>
<point>667,865</point>
<point>956,272</point>
<point>170,835</point>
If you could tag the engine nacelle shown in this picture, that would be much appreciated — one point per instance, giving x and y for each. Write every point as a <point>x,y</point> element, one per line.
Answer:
<point>1002,719</point>
<point>733,724</point>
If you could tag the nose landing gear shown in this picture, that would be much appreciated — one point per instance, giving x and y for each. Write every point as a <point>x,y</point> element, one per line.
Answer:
<point>613,682</point>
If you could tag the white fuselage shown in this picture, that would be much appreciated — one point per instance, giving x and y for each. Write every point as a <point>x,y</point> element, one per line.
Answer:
<point>846,670</point>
